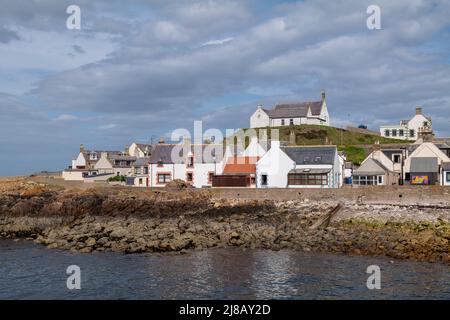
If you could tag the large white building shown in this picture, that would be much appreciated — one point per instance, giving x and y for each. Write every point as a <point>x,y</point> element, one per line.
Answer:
<point>315,113</point>
<point>300,167</point>
<point>407,129</point>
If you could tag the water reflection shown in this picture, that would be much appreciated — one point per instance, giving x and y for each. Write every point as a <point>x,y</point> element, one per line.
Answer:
<point>30,271</point>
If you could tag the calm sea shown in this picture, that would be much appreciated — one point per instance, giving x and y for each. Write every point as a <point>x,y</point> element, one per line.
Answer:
<point>31,271</point>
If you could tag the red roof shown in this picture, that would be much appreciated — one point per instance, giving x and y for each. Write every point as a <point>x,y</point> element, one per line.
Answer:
<point>239,165</point>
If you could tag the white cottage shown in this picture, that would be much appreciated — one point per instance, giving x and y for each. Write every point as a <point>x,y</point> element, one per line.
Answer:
<point>299,167</point>
<point>315,113</point>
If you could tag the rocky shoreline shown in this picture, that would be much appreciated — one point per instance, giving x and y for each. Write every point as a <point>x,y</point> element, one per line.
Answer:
<point>142,221</point>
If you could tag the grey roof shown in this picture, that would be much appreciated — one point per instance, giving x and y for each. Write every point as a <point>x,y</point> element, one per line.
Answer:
<point>311,154</point>
<point>147,148</point>
<point>446,166</point>
<point>163,152</point>
<point>121,157</point>
<point>370,167</point>
<point>312,171</point>
<point>142,161</point>
<point>423,165</point>
<point>294,110</point>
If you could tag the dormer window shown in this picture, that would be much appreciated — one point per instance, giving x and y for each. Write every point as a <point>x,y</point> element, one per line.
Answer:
<point>93,156</point>
<point>306,159</point>
<point>317,159</point>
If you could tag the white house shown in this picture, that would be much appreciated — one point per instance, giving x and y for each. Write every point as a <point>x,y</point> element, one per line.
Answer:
<point>84,164</point>
<point>197,167</point>
<point>140,150</point>
<point>299,167</point>
<point>315,112</point>
<point>407,129</point>
<point>117,164</point>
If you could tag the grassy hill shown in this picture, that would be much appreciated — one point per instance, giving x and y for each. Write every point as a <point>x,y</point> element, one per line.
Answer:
<point>353,143</point>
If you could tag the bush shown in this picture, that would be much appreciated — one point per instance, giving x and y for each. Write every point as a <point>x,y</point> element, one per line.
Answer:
<point>117,179</point>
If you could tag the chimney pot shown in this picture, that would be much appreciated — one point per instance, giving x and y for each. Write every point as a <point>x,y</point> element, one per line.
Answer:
<point>323,94</point>
<point>418,110</point>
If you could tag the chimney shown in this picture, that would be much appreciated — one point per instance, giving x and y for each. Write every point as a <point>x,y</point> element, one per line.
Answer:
<point>104,155</point>
<point>426,134</point>
<point>82,148</point>
<point>127,150</point>
<point>418,110</point>
<point>323,95</point>
<point>376,146</point>
<point>161,140</point>
<point>259,106</point>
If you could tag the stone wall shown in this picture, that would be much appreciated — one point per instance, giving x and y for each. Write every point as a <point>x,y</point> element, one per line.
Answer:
<point>376,194</point>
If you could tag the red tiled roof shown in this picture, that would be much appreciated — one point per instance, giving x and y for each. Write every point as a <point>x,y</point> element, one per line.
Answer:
<point>241,165</point>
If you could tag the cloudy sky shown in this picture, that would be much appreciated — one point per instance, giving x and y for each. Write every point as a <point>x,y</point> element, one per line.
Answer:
<point>144,68</point>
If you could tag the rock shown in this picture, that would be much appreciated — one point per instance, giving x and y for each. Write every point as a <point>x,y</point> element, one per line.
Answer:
<point>118,233</point>
<point>90,242</point>
<point>86,250</point>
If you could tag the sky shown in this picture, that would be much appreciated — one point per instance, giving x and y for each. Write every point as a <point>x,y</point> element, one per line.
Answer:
<point>137,70</point>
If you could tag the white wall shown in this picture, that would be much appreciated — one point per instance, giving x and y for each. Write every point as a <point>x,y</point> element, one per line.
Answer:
<point>73,175</point>
<point>259,119</point>
<point>276,165</point>
<point>80,161</point>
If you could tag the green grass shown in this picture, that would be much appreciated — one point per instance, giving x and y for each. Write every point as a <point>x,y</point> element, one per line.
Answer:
<point>353,143</point>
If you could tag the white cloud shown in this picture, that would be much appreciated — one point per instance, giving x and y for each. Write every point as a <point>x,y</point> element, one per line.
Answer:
<point>217,42</point>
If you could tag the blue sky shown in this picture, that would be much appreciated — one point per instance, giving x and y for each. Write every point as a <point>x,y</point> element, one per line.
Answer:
<point>141,68</point>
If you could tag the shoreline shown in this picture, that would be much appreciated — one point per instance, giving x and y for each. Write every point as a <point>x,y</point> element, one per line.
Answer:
<point>134,221</point>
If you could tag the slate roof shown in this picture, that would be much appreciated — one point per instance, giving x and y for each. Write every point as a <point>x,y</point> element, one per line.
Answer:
<point>370,167</point>
<point>446,166</point>
<point>163,152</point>
<point>295,110</point>
<point>424,165</point>
<point>142,161</point>
<point>311,154</point>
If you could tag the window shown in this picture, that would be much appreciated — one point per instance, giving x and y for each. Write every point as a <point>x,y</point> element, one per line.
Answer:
<point>317,159</point>
<point>291,122</point>
<point>282,122</point>
<point>387,133</point>
<point>163,177</point>
<point>264,179</point>
<point>189,177</point>
<point>190,162</point>
<point>365,180</point>
<point>396,158</point>
<point>411,133</point>
<point>308,179</point>
<point>117,173</point>
<point>140,180</point>
<point>380,179</point>
<point>137,170</point>
<point>210,176</point>
<point>448,176</point>
<point>401,133</point>
<point>407,176</point>
<point>394,132</point>
<point>145,170</point>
